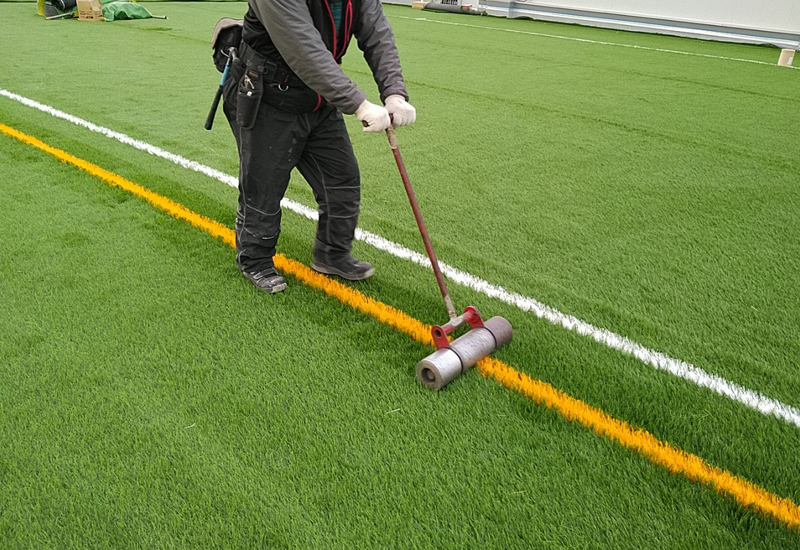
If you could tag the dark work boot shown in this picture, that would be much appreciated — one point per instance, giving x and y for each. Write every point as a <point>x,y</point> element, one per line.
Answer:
<point>345,267</point>
<point>267,280</point>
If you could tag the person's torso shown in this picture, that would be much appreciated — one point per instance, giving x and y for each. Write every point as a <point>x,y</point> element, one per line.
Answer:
<point>334,19</point>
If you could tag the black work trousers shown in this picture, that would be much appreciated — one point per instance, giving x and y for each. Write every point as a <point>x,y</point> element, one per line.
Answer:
<point>315,143</point>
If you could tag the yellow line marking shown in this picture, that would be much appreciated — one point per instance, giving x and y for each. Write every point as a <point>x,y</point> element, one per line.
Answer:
<point>659,452</point>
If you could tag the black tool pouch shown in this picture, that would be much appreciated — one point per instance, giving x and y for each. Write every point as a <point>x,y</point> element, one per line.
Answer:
<point>248,96</point>
<point>227,35</point>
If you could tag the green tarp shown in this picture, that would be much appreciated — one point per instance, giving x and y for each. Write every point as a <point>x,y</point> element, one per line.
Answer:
<point>112,10</point>
<point>124,9</point>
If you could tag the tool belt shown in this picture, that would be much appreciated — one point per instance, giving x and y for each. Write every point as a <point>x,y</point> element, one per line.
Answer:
<point>262,80</point>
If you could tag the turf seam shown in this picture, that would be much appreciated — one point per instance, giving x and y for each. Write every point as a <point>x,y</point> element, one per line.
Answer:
<point>589,41</point>
<point>675,460</point>
<point>751,399</point>
<point>785,163</point>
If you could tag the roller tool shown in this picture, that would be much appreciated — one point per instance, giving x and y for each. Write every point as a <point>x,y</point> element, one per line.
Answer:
<point>451,358</point>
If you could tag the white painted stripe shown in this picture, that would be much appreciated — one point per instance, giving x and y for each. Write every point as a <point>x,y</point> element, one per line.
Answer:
<point>658,360</point>
<point>127,140</point>
<point>587,41</point>
<point>227,179</point>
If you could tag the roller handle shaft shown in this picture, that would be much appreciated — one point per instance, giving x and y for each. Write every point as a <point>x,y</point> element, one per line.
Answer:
<point>451,311</point>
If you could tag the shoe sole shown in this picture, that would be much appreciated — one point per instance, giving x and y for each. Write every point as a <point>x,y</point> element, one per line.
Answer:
<point>269,290</point>
<point>333,271</point>
<point>275,289</point>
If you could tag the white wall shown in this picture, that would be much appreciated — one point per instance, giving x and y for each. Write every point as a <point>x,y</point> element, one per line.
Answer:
<point>775,22</point>
<point>770,15</point>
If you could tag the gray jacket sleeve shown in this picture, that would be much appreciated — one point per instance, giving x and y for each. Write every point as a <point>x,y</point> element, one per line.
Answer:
<point>376,40</point>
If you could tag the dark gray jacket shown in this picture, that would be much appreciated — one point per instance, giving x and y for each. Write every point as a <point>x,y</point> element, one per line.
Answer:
<point>300,34</point>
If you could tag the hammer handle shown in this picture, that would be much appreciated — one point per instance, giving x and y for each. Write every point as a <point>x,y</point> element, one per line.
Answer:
<point>215,104</point>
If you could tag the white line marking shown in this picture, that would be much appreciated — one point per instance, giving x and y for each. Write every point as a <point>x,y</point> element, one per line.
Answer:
<point>658,360</point>
<point>587,41</point>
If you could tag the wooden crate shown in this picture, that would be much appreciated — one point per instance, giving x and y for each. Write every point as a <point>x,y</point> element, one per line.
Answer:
<point>90,10</point>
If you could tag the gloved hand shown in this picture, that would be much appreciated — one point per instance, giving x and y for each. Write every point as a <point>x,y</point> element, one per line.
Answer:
<point>403,113</point>
<point>374,117</point>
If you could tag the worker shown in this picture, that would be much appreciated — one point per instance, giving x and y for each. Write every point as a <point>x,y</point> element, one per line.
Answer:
<point>285,102</point>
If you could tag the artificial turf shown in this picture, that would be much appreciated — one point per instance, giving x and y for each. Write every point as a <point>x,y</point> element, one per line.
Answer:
<point>649,193</point>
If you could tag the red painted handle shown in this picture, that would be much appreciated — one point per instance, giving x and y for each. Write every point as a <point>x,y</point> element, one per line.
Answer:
<point>421,223</point>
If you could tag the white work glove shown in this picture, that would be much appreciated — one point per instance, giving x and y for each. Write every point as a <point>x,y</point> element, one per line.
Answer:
<point>402,112</point>
<point>374,117</point>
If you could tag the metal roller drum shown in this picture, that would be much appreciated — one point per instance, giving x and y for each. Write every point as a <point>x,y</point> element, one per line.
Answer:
<point>445,364</point>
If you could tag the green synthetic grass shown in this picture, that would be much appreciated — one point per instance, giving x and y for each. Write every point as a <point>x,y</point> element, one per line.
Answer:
<point>158,400</point>
<point>649,193</point>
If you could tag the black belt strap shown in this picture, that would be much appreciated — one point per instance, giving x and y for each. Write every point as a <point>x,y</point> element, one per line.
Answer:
<point>273,72</point>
